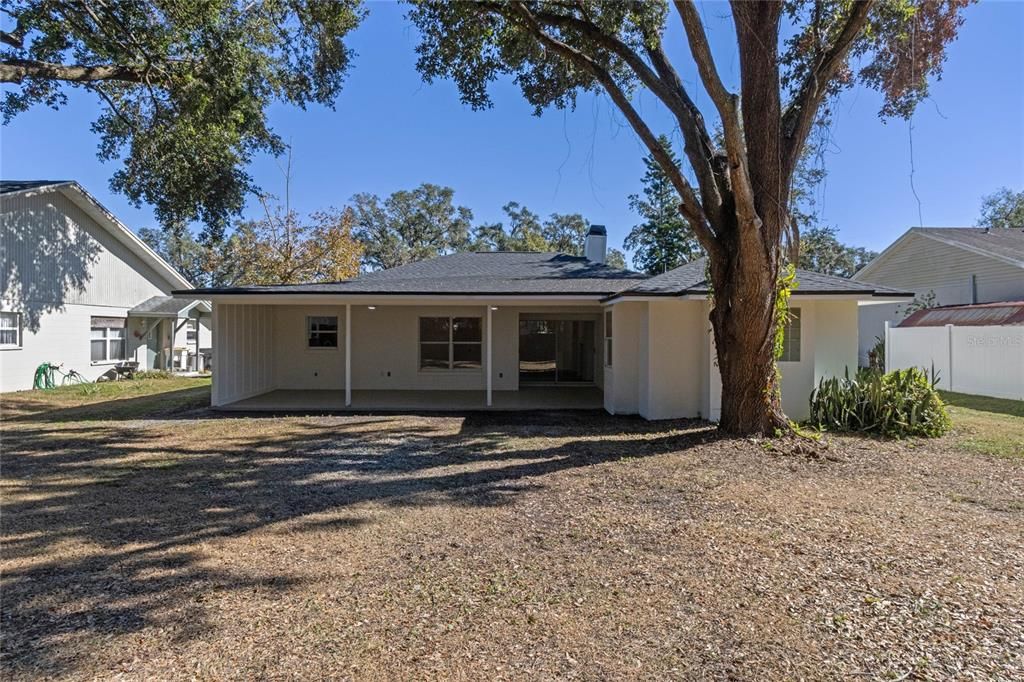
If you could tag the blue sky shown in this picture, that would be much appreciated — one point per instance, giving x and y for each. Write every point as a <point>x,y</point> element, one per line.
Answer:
<point>390,131</point>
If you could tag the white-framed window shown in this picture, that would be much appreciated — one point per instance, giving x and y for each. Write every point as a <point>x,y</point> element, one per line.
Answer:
<point>607,338</point>
<point>191,330</point>
<point>108,341</point>
<point>451,343</point>
<point>322,331</point>
<point>791,337</point>
<point>10,330</point>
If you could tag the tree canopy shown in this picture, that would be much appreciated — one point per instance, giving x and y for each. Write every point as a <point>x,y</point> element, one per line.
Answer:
<point>184,85</point>
<point>821,251</point>
<point>410,225</point>
<point>1003,208</point>
<point>561,232</point>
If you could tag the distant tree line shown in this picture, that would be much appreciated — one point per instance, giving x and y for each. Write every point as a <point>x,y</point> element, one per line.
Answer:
<point>373,233</point>
<point>376,233</point>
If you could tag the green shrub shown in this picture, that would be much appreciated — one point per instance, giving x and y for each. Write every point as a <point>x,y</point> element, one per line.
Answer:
<point>154,374</point>
<point>896,405</point>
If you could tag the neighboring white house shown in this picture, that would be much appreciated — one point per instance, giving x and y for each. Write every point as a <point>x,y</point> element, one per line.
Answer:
<point>959,265</point>
<point>79,289</point>
<point>509,331</point>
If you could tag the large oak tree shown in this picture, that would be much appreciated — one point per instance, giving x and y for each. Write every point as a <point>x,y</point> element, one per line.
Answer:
<point>739,205</point>
<point>184,85</point>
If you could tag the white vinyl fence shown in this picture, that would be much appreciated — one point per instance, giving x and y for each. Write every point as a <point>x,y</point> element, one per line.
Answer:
<point>976,360</point>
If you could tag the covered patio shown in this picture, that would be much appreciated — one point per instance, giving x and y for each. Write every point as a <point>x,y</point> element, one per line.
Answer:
<point>546,398</point>
<point>326,354</point>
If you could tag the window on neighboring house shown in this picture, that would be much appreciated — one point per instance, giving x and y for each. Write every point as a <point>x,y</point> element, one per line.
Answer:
<point>322,332</point>
<point>608,338</point>
<point>451,342</point>
<point>791,337</point>
<point>191,330</point>
<point>108,342</point>
<point>10,330</point>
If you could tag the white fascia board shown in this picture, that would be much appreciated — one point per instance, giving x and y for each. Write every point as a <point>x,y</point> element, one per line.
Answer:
<point>642,299</point>
<point>95,210</point>
<point>377,299</point>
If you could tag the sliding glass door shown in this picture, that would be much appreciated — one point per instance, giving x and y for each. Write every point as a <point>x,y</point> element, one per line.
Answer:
<point>556,351</point>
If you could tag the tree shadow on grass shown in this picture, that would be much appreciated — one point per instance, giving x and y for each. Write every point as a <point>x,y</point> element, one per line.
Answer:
<point>27,407</point>
<point>139,503</point>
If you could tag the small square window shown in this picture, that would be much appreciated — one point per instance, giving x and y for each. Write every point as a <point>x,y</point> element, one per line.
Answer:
<point>322,332</point>
<point>10,330</point>
<point>108,339</point>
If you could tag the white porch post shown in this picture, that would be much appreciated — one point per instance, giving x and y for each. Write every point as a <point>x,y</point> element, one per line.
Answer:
<point>490,371</point>
<point>348,355</point>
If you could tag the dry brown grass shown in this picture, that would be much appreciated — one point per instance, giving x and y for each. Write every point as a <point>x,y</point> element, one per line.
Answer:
<point>364,547</point>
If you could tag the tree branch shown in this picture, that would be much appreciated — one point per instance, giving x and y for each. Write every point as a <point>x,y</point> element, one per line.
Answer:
<point>662,81</point>
<point>727,105</point>
<point>802,111</point>
<point>16,70</point>
<point>690,204</point>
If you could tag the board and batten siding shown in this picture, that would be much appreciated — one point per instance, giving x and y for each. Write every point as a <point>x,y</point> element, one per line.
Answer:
<point>243,352</point>
<point>54,254</point>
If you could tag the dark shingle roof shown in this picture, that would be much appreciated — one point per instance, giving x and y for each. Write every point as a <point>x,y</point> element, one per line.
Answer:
<point>514,273</point>
<point>8,186</point>
<point>691,279</point>
<point>1006,243</point>
<point>472,273</point>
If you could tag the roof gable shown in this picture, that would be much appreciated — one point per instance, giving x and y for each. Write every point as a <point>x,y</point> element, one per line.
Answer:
<point>103,217</point>
<point>1000,244</point>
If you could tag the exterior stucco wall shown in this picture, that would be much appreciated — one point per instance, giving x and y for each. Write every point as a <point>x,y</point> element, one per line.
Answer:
<point>385,347</point>
<point>670,359</point>
<point>629,337</point>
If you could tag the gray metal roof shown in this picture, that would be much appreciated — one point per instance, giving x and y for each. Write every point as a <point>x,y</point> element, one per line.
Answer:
<point>528,274</point>
<point>1006,243</point>
<point>691,279</point>
<point>8,186</point>
<point>163,306</point>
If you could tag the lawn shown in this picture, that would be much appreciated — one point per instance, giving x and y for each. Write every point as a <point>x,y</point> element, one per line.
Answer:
<point>146,538</point>
<point>987,425</point>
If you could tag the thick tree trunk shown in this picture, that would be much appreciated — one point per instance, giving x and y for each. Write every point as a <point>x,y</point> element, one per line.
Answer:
<point>743,321</point>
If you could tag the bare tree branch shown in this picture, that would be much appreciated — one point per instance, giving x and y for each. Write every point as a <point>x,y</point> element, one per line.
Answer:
<point>663,82</point>
<point>691,205</point>
<point>727,105</point>
<point>799,116</point>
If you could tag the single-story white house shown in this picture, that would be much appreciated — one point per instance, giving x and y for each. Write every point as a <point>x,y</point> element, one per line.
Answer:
<point>947,265</point>
<point>79,289</point>
<point>505,330</point>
